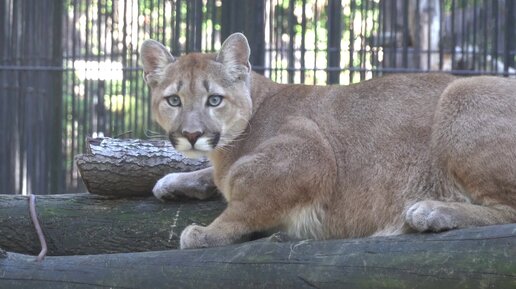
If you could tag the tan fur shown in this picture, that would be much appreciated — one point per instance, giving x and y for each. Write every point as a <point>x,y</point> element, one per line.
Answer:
<point>382,157</point>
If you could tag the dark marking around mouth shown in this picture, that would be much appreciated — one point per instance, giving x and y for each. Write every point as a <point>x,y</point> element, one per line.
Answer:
<point>173,140</point>
<point>215,140</point>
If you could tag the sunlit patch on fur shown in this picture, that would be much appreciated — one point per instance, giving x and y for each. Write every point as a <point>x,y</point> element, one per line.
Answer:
<point>306,222</point>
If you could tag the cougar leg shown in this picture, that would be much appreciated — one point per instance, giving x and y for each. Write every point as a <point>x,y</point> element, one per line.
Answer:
<point>265,189</point>
<point>197,184</point>
<point>429,215</point>
<point>474,150</point>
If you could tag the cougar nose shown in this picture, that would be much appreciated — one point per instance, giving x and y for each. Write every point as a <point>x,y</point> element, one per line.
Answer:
<point>192,137</point>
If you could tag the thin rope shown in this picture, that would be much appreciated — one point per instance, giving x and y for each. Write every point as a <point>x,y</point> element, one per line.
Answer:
<point>35,221</point>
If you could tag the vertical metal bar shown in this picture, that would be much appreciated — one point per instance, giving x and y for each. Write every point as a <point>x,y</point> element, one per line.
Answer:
<point>464,37</point>
<point>163,23</point>
<point>113,56</point>
<point>135,80</point>
<point>351,41</point>
<point>189,40</point>
<point>441,25</point>
<point>7,140</point>
<point>496,13</point>
<point>363,31</point>
<point>214,21</point>
<point>486,37</point>
<point>177,31</point>
<point>19,119</point>
<point>510,36</point>
<point>475,31</point>
<point>453,40</point>
<point>271,33</point>
<point>101,110</point>
<point>56,160</point>
<point>279,42</point>
<point>197,25</point>
<point>254,27</point>
<point>316,24</point>
<point>27,93</point>
<point>405,34</point>
<point>394,33</point>
<point>74,109</point>
<point>65,92</point>
<point>131,109</point>
<point>124,64</point>
<point>383,32</point>
<point>429,48</point>
<point>4,143</point>
<point>303,40</point>
<point>291,33</point>
<point>110,92</point>
<point>334,36</point>
<point>277,38</point>
<point>417,48</point>
<point>374,43</point>
<point>87,124</point>
<point>150,4</point>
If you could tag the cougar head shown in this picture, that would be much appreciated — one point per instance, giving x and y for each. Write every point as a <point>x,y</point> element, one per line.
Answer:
<point>202,101</point>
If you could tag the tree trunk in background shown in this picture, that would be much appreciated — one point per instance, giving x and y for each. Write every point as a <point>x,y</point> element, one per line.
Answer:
<point>79,224</point>
<point>468,258</point>
<point>128,167</point>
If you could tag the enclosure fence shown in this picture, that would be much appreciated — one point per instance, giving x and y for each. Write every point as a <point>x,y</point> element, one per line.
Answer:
<point>71,70</point>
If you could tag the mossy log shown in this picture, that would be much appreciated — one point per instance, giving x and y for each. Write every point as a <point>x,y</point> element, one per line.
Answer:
<point>468,258</point>
<point>130,167</point>
<point>90,224</point>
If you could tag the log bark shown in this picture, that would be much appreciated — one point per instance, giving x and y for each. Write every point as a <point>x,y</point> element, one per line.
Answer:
<point>130,167</point>
<point>76,224</point>
<point>467,258</point>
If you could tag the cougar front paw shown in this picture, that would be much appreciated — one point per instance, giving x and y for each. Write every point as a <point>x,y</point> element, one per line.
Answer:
<point>164,188</point>
<point>430,216</point>
<point>193,237</point>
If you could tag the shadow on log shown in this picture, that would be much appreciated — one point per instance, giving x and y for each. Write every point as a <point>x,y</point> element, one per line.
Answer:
<point>467,258</point>
<point>79,224</point>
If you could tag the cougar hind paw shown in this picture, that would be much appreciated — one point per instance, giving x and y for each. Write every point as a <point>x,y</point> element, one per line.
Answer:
<point>431,216</point>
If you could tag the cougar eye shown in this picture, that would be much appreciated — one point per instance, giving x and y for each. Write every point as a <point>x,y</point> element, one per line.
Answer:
<point>173,100</point>
<point>214,100</point>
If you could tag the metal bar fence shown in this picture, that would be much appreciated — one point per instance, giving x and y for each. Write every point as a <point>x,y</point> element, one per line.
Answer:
<point>71,70</point>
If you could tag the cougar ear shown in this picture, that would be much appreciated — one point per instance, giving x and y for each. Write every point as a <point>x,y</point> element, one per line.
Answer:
<point>155,57</point>
<point>234,54</point>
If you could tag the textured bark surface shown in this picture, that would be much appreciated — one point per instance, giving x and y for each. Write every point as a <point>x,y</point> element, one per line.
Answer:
<point>468,258</point>
<point>130,167</point>
<point>78,224</point>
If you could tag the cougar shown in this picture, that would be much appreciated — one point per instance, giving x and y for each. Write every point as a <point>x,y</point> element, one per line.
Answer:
<point>392,155</point>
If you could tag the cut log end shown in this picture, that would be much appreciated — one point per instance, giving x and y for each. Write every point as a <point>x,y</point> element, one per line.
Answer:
<point>130,167</point>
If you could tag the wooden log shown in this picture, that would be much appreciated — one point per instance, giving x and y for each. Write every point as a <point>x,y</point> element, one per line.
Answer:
<point>130,167</point>
<point>467,258</point>
<point>90,224</point>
